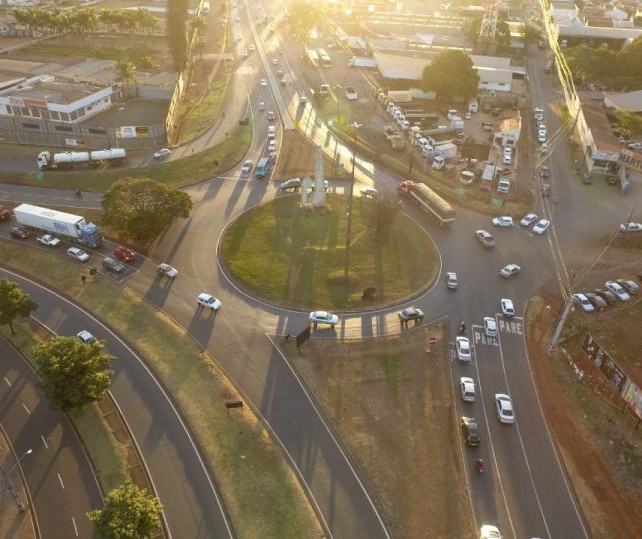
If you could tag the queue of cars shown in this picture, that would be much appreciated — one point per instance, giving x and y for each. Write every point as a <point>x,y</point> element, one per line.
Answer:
<point>600,298</point>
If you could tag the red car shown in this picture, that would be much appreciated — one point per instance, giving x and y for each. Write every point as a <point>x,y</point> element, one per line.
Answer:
<point>123,253</point>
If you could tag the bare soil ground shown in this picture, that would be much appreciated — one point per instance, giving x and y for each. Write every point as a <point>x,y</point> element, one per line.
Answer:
<point>391,403</point>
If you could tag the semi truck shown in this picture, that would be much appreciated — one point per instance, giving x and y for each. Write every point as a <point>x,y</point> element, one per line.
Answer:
<point>72,227</point>
<point>67,160</point>
<point>394,136</point>
<point>428,201</point>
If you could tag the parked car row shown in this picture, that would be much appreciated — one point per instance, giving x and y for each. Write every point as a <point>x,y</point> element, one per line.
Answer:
<point>600,298</point>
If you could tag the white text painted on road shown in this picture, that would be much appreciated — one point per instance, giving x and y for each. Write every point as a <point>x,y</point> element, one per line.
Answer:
<point>482,338</point>
<point>511,326</point>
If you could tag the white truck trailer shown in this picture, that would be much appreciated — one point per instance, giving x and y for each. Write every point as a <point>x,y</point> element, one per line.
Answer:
<point>67,160</point>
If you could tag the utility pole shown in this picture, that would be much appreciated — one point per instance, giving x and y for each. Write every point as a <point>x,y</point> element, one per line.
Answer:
<point>9,487</point>
<point>356,126</point>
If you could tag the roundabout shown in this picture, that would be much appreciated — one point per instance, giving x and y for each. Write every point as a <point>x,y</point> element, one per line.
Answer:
<point>302,259</point>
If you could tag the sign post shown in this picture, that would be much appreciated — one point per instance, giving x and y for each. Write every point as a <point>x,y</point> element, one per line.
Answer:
<point>432,341</point>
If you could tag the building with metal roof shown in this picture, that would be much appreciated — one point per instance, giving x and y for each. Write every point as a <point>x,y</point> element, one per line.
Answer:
<point>631,101</point>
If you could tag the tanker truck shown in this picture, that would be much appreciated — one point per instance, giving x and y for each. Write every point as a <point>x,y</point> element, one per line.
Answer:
<point>67,160</point>
<point>72,227</point>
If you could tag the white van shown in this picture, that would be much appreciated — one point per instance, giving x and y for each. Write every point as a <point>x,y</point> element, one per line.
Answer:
<point>271,131</point>
<point>473,106</point>
<point>503,186</point>
<point>452,113</point>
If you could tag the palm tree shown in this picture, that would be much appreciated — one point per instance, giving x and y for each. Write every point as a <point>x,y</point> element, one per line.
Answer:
<point>106,17</point>
<point>127,72</point>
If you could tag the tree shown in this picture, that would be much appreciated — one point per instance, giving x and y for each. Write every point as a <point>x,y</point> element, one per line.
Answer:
<point>13,303</point>
<point>176,32</point>
<point>302,18</point>
<point>129,513</point>
<point>144,208</point>
<point>502,35</point>
<point>531,34</point>
<point>631,123</point>
<point>382,211</point>
<point>451,73</point>
<point>127,72</point>
<point>72,373</point>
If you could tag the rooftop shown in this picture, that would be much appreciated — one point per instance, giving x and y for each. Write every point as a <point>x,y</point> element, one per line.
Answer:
<point>54,92</point>
<point>600,127</point>
<point>626,101</point>
<point>600,32</point>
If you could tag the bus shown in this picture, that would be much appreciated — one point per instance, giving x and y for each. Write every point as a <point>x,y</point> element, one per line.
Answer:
<point>312,57</point>
<point>428,201</point>
<point>324,58</point>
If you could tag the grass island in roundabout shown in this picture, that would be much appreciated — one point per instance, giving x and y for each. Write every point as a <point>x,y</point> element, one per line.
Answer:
<point>300,258</point>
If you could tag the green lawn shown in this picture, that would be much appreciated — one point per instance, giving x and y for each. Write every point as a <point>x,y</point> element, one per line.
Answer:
<point>260,492</point>
<point>303,256</point>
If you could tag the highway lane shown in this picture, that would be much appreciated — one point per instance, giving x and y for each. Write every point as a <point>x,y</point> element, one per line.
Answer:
<point>58,473</point>
<point>191,505</point>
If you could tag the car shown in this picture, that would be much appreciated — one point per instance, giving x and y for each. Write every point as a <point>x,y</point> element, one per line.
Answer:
<point>468,116</point>
<point>324,317</point>
<point>546,190</point>
<point>507,307</point>
<point>462,344</point>
<point>507,156</point>
<point>548,68</point>
<point>272,146</point>
<point>263,82</point>
<point>271,116</point>
<point>504,408</point>
<point>451,280</point>
<point>167,270</point>
<point>275,61</point>
<point>163,153</point>
<point>630,286</point>
<point>48,240</point>
<point>245,53</point>
<point>635,146</point>
<point>541,226</point>
<point>509,270</point>
<point>369,192</point>
<point>582,301</point>
<point>303,100</point>
<point>467,387</point>
<point>239,37</point>
<point>544,171</point>
<point>124,254</point>
<point>488,531</point>
<point>247,167</point>
<point>290,185</point>
<point>541,135</point>
<point>617,290</point>
<point>351,94</point>
<point>20,233</point>
<point>485,238</point>
<point>110,264</point>
<point>77,254</point>
<point>470,431</point>
<point>631,227</point>
<point>410,313</point>
<point>208,301</point>
<point>598,302</point>
<point>252,47</point>
<point>606,295</point>
<point>490,326</point>
<point>86,337</point>
<point>503,221</point>
<point>528,219</point>
<point>543,148</point>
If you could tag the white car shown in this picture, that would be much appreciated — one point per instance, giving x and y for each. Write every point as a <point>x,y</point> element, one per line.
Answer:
<point>275,61</point>
<point>541,135</point>
<point>509,270</point>
<point>272,146</point>
<point>467,386</point>
<point>86,337</point>
<point>351,94</point>
<point>504,406</point>
<point>488,531</point>
<point>583,302</point>
<point>167,270</point>
<point>247,167</point>
<point>48,240</point>
<point>618,290</point>
<point>529,219</point>
<point>290,185</point>
<point>463,348</point>
<point>163,153</point>
<point>77,254</point>
<point>485,238</point>
<point>507,307</point>
<point>263,82</point>
<point>507,157</point>
<point>541,226</point>
<point>324,317</point>
<point>369,192</point>
<point>544,148</point>
<point>636,146</point>
<point>451,280</point>
<point>490,326</point>
<point>503,221</point>
<point>208,301</point>
<point>631,227</point>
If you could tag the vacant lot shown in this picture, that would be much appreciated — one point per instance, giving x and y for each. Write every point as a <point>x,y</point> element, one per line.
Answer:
<point>391,403</point>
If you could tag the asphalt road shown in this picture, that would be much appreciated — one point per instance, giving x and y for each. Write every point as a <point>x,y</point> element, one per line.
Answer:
<point>58,473</point>
<point>191,505</point>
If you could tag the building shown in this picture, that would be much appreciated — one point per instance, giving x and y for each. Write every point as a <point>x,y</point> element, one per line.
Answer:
<point>631,101</point>
<point>507,130</point>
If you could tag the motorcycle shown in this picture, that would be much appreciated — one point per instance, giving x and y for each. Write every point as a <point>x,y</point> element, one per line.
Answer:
<point>479,465</point>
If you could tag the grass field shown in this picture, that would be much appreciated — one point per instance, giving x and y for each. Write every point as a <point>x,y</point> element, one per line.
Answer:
<point>261,494</point>
<point>303,255</point>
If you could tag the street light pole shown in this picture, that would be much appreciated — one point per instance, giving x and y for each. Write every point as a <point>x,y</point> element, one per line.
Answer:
<point>7,482</point>
<point>356,126</point>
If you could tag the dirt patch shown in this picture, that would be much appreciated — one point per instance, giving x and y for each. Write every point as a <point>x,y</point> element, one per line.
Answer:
<point>607,472</point>
<point>391,403</point>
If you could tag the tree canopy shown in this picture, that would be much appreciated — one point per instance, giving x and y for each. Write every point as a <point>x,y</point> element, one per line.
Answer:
<point>129,513</point>
<point>177,32</point>
<point>13,303</point>
<point>72,373</point>
<point>143,208</point>
<point>450,74</point>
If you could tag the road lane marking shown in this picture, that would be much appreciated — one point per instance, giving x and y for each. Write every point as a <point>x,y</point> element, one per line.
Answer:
<point>44,442</point>
<point>7,381</point>
<point>73,521</point>
<point>25,407</point>
<point>61,483</point>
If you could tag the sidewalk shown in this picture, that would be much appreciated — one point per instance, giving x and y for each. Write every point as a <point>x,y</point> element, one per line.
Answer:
<point>13,523</point>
